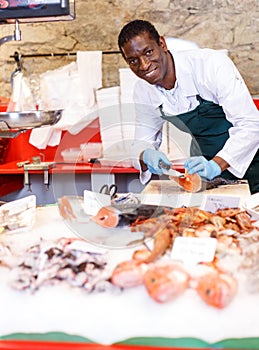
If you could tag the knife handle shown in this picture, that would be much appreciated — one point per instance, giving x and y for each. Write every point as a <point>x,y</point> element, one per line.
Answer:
<point>163,165</point>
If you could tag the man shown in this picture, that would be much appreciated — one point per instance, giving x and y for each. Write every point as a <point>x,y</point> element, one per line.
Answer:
<point>199,91</point>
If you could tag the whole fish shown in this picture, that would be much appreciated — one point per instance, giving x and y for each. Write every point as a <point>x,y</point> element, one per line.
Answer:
<point>217,289</point>
<point>165,281</point>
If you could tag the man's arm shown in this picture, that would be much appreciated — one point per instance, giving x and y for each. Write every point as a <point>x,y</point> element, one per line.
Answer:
<point>221,162</point>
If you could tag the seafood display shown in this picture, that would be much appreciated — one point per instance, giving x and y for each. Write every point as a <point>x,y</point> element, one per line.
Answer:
<point>164,224</point>
<point>227,225</point>
<point>151,266</point>
<point>52,263</point>
<point>163,278</point>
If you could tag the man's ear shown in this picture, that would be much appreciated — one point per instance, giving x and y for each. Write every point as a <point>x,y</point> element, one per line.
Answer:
<point>163,43</point>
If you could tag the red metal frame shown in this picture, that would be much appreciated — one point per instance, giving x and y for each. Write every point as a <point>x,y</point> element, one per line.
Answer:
<point>20,148</point>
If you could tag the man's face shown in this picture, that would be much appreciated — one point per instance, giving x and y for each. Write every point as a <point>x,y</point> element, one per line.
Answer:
<point>147,59</point>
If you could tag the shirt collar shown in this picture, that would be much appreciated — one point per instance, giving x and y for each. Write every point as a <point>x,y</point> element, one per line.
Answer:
<point>184,80</point>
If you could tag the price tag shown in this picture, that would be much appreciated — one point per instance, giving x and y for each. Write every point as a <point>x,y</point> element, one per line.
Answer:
<point>94,201</point>
<point>214,202</point>
<point>193,250</point>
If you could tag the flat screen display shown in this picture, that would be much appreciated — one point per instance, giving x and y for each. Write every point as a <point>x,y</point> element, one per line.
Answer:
<point>13,9</point>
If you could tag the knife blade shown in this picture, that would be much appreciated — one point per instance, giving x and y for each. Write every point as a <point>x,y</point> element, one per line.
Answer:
<point>167,170</point>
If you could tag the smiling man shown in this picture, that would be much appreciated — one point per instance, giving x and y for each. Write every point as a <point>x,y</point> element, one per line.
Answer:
<point>200,92</point>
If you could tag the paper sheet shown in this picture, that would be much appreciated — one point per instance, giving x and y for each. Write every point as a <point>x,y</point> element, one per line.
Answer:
<point>71,88</point>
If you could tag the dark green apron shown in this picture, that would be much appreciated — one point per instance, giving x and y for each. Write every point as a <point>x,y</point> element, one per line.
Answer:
<point>208,126</point>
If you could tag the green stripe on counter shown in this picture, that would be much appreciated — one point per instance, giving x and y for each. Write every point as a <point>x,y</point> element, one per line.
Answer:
<point>50,336</point>
<point>235,343</point>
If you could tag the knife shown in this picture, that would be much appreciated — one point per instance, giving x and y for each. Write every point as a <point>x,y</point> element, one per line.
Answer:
<point>168,171</point>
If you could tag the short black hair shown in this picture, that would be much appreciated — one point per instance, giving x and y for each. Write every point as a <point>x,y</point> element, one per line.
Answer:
<point>134,28</point>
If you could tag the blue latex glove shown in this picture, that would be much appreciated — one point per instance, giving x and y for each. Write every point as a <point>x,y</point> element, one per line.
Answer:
<point>205,168</point>
<point>152,157</point>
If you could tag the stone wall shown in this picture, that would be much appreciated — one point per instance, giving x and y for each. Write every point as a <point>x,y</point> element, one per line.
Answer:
<point>219,24</point>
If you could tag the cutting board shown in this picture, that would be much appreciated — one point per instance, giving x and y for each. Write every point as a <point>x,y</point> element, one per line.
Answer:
<point>166,192</point>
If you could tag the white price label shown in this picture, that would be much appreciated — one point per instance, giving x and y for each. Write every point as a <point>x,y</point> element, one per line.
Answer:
<point>94,201</point>
<point>193,250</point>
<point>214,202</point>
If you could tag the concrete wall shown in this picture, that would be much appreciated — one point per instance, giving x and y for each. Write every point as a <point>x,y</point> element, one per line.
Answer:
<point>219,24</point>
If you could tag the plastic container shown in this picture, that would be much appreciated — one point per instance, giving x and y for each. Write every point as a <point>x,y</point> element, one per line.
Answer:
<point>119,161</point>
<point>72,155</point>
<point>91,150</point>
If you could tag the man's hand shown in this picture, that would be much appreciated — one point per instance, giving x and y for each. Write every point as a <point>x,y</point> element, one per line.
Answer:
<point>151,158</point>
<point>205,168</point>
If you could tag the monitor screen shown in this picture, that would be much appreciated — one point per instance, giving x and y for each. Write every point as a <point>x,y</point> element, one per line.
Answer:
<point>19,9</point>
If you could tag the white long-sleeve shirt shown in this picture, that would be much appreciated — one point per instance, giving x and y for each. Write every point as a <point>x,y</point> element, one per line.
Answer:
<point>212,75</point>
